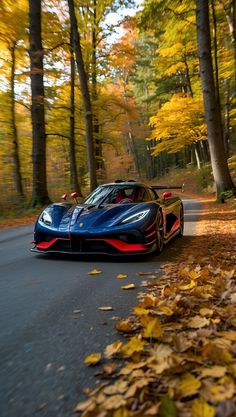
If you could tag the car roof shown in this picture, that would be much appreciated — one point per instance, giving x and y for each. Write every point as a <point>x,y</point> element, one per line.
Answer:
<point>124,183</point>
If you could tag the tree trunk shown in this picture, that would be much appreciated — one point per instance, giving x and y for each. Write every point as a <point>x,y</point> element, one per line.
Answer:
<point>74,183</point>
<point>39,192</point>
<point>220,168</point>
<point>231,20</point>
<point>96,127</point>
<point>85,96</point>
<point>15,153</point>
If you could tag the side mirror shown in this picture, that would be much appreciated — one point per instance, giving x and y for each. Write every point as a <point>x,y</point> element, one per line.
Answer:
<point>166,195</point>
<point>64,197</point>
<point>75,196</point>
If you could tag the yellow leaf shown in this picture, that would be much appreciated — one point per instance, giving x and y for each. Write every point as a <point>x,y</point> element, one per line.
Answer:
<point>122,412</point>
<point>128,287</point>
<point>206,312</point>
<point>194,274</point>
<point>95,272</point>
<point>134,345</point>
<point>113,349</point>
<point>200,408</point>
<point>140,311</point>
<point>188,385</point>
<point>198,322</point>
<point>221,391</point>
<point>186,287</point>
<point>92,359</point>
<point>215,371</point>
<point>166,310</point>
<point>121,276</point>
<point>105,308</point>
<point>152,328</point>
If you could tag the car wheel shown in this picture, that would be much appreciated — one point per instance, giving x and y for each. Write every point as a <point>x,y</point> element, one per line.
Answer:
<point>181,219</point>
<point>160,233</point>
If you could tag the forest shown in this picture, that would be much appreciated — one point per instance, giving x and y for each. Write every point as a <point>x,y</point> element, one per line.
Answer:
<point>94,90</point>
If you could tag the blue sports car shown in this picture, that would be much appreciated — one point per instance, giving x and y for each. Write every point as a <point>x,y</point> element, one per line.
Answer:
<point>120,218</point>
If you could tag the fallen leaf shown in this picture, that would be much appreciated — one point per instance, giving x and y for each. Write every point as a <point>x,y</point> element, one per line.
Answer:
<point>141,311</point>
<point>189,286</point>
<point>200,408</point>
<point>188,385</point>
<point>128,287</point>
<point>152,328</point>
<point>105,308</point>
<point>197,322</point>
<point>206,312</point>
<point>95,272</point>
<point>87,405</point>
<point>125,326</point>
<point>121,276</point>
<point>113,349</point>
<point>217,392</point>
<point>114,402</point>
<point>215,371</point>
<point>92,359</point>
<point>166,310</point>
<point>134,345</point>
<point>216,354</point>
<point>167,408</point>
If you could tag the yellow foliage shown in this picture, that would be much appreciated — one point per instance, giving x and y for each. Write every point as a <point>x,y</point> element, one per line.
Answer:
<point>178,123</point>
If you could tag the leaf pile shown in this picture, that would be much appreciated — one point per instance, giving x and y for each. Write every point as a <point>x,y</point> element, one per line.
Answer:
<point>178,354</point>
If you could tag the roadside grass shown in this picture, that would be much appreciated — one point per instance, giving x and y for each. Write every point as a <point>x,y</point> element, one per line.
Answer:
<point>175,353</point>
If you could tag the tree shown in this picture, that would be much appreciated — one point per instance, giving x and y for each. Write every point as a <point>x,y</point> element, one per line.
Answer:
<point>88,117</point>
<point>39,192</point>
<point>220,168</point>
<point>12,31</point>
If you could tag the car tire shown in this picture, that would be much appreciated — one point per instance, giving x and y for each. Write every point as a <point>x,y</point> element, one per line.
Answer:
<point>159,233</point>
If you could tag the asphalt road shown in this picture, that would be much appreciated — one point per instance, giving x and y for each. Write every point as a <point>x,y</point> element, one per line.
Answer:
<point>49,319</point>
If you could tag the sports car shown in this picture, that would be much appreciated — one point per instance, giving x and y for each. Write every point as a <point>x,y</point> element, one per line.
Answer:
<point>119,218</point>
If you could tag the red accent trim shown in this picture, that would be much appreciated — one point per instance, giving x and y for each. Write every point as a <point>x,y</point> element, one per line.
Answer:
<point>150,234</point>
<point>46,245</point>
<point>123,246</point>
<point>174,228</point>
<point>149,227</point>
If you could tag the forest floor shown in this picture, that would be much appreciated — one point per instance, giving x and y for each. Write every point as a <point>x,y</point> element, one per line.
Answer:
<point>175,355</point>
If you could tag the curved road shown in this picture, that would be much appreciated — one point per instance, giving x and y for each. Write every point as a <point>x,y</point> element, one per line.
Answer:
<point>49,319</point>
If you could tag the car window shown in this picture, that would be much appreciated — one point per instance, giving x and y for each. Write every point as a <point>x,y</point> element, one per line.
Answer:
<point>153,195</point>
<point>97,195</point>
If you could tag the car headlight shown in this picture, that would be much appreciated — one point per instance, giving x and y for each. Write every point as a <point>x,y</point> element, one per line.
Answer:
<point>46,218</point>
<point>135,217</point>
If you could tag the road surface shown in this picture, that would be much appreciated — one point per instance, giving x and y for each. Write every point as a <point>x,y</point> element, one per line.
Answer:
<point>49,319</point>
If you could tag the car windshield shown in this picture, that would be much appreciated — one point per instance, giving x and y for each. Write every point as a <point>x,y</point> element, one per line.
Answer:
<point>114,194</point>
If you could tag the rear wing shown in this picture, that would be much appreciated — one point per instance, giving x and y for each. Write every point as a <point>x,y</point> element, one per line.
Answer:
<point>168,187</point>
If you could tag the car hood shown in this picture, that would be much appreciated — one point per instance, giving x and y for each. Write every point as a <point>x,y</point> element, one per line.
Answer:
<point>83,218</point>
